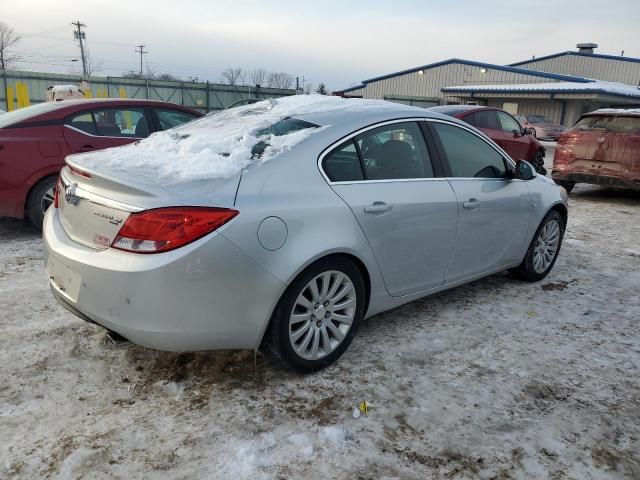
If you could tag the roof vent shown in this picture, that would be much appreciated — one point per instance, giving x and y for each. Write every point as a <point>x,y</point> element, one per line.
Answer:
<point>587,47</point>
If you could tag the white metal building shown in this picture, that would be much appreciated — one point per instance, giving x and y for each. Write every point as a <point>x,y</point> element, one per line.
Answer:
<point>560,86</point>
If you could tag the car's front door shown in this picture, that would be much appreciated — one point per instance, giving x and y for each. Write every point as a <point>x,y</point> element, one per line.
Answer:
<point>494,210</point>
<point>513,141</point>
<point>407,212</point>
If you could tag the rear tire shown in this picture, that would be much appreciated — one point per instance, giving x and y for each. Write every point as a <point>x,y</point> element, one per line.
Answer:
<point>568,186</point>
<point>543,250</point>
<point>310,331</point>
<point>39,200</point>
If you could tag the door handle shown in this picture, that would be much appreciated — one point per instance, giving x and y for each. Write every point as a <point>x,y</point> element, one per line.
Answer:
<point>378,207</point>
<point>86,147</point>
<point>471,204</point>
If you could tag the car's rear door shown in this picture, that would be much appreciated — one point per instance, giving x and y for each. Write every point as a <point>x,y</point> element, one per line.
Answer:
<point>494,210</point>
<point>405,207</point>
<point>100,128</point>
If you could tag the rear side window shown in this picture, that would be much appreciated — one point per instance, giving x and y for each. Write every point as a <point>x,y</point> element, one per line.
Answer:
<point>395,151</point>
<point>343,164</point>
<point>121,122</point>
<point>483,119</point>
<point>391,152</point>
<point>83,122</point>
<point>169,118</point>
<point>467,154</point>
<point>610,124</point>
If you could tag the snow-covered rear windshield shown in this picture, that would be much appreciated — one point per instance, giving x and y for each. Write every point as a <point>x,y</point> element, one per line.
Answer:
<point>609,123</point>
<point>26,113</point>
<point>221,145</point>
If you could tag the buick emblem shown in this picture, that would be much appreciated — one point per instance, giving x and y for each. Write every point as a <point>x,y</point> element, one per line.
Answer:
<point>70,194</point>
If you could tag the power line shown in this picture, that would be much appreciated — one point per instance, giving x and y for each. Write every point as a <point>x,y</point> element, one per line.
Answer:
<point>141,51</point>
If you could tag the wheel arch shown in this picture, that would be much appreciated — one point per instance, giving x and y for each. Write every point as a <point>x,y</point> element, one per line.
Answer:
<point>35,185</point>
<point>562,210</point>
<point>357,261</point>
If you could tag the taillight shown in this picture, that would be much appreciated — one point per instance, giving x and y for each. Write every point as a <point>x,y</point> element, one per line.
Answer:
<point>79,172</point>
<point>163,229</point>
<point>56,189</point>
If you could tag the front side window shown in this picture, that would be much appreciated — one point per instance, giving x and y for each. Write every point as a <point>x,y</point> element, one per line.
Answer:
<point>483,119</point>
<point>508,123</point>
<point>121,122</point>
<point>394,151</point>
<point>169,118</point>
<point>468,155</point>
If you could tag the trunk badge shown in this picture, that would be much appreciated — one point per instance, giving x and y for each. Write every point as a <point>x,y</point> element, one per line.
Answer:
<point>70,194</point>
<point>111,218</point>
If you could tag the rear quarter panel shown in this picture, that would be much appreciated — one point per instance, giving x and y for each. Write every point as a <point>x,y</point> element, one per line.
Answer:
<point>27,156</point>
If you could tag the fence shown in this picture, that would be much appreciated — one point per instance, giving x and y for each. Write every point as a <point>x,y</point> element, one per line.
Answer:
<point>24,88</point>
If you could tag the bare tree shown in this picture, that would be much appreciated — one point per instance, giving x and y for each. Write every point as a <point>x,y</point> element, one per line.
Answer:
<point>322,89</point>
<point>280,80</point>
<point>259,77</point>
<point>231,76</point>
<point>8,38</point>
<point>308,88</point>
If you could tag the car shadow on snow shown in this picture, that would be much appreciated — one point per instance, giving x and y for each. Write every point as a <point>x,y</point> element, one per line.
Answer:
<point>14,229</point>
<point>612,195</point>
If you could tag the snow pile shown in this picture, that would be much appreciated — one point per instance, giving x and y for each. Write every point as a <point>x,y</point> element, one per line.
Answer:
<point>220,144</point>
<point>592,86</point>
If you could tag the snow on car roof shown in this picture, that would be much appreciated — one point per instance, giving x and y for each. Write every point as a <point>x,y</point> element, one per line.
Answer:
<point>220,145</point>
<point>617,111</point>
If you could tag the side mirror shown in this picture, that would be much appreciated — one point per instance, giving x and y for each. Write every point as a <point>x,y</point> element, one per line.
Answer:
<point>524,170</point>
<point>516,133</point>
<point>529,131</point>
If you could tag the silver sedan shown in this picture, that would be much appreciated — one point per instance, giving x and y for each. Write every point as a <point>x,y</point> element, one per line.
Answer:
<point>335,212</point>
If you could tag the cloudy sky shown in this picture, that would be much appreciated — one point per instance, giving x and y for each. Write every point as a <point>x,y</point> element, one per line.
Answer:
<point>336,42</point>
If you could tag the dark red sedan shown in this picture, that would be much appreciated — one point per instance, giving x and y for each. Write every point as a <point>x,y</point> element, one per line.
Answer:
<point>503,129</point>
<point>34,142</point>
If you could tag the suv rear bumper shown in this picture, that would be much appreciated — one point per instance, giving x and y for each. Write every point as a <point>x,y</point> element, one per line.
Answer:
<point>603,180</point>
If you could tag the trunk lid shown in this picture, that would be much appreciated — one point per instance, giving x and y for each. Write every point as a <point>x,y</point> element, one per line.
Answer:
<point>93,206</point>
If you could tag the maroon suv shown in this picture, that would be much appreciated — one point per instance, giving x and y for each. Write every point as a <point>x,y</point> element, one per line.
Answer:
<point>34,142</point>
<point>503,129</point>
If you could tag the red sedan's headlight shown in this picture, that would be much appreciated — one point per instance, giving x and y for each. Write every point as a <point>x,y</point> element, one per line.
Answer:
<point>164,229</point>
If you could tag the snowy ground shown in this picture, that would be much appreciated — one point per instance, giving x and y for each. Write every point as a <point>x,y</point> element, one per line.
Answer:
<point>498,379</point>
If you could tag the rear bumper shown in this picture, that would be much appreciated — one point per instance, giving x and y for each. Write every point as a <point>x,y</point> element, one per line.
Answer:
<point>206,295</point>
<point>603,180</point>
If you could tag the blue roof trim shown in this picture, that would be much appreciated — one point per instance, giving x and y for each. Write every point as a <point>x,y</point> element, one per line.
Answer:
<point>474,91</point>
<point>351,89</point>
<point>578,54</point>
<point>524,71</point>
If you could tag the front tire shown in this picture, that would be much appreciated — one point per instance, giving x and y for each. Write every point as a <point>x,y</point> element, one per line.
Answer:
<point>543,250</point>
<point>538,162</point>
<point>568,186</point>
<point>39,200</point>
<point>317,316</point>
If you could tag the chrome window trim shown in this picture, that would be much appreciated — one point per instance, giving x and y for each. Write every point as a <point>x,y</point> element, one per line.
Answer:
<point>345,139</point>
<point>97,199</point>
<point>98,136</point>
<point>328,150</point>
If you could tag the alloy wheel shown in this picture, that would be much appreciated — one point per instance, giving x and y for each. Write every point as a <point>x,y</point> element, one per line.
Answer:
<point>546,246</point>
<point>47,199</point>
<point>322,315</point>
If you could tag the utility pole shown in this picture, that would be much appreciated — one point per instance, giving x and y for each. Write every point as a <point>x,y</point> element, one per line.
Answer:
<point>141,51</point>
<point>80,35</point>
